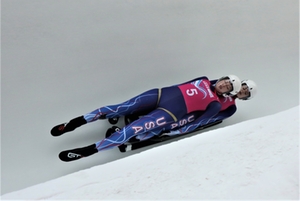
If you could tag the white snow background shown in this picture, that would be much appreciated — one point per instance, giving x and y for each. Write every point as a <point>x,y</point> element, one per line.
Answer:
<point>64,58</point>
<point>255,159</point>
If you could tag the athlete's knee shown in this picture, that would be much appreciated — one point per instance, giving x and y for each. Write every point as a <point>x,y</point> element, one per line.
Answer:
<point>94,115</point>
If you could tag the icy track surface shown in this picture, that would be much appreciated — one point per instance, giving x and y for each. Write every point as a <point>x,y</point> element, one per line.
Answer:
<point>255,159</point>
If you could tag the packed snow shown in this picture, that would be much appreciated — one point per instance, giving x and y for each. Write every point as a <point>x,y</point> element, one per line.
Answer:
<point>254,159</point>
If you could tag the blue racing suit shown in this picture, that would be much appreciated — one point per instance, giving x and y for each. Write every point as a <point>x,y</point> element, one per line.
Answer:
<point>190,105</point>
<point>227,110</point>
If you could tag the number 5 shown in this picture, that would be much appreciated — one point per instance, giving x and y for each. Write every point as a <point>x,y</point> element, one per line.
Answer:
<point>191,92</point>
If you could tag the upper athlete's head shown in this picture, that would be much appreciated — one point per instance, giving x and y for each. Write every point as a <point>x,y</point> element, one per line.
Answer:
<point>248,90</point>
<point>228,85</point>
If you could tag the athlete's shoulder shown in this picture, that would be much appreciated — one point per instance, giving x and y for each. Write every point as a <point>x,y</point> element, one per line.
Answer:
<point>227,98</point>
<point>193,80</point>
<point>198,78</point>
<point>202,78</point>
<point>213,81</point>
<point>227,102</point>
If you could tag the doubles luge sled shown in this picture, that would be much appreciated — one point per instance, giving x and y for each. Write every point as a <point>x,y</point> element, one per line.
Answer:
<point>134,145</point>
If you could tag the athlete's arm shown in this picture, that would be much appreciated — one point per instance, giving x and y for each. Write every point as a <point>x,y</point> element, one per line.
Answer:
<point>207,117</point>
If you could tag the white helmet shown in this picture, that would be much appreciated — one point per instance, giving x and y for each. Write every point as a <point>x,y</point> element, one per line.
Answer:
<point>252,87</point>
<point>235,83</point>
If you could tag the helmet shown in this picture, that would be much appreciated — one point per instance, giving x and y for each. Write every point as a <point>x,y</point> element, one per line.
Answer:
<point>252,87</point>
<point>235,83</point>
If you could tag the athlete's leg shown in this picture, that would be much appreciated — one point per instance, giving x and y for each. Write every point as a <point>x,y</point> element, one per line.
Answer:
<point>155,120</point>
<point>146,101</point>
